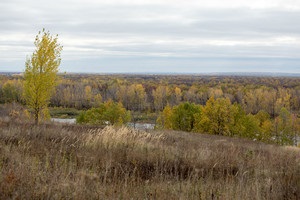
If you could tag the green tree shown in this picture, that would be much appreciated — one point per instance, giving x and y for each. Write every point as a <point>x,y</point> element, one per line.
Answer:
<point>41,73</point>
<point>284,132</point>
<point>243,125</point>
<point>11,91</point>
<point>107,113</point>
<point>239,118</point>
<point>116,113</point>
<point>265,125</point>
<point>251,125</point>
<point>183,116</point>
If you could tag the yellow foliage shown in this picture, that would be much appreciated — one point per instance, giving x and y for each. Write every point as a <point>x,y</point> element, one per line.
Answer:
<point>164,120</point>
<point>88,93</point>
<point>27,114</point>
<point>41,73</point>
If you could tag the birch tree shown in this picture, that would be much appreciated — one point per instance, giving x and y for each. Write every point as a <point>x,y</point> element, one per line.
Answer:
<point>41,73</point>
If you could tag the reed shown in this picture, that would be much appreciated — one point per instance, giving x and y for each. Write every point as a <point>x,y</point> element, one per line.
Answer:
<point>81,162</point>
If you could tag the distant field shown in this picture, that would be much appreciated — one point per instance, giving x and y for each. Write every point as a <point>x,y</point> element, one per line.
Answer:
<point>83,162</point>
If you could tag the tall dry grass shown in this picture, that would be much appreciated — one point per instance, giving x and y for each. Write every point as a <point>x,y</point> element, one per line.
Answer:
<point>77,162</point>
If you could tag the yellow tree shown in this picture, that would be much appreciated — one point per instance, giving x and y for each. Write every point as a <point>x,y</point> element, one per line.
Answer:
<point>97,100</point>
<point>41,73</point>
<point>216,116</point>
<point>161,96</point>
<point>88,94</point>
<point>164,120</point>
<point>285,127</point>
<point>178,95</point>
<point>137,97</point>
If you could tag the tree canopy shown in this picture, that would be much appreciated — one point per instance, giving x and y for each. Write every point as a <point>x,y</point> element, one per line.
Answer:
<point>41,73</point>
<point>107,113</point>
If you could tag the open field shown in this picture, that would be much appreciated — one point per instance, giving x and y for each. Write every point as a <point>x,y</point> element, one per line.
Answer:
<point>82,162</point>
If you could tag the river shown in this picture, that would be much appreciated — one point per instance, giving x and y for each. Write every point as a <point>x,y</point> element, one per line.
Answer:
<point>139,126</point>
<point>65,121</point>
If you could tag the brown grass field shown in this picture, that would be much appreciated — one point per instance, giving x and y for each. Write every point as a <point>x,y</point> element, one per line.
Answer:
<point>54,161</point>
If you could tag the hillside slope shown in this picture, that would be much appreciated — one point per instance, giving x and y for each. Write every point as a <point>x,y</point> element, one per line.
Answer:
<point>78,162</point>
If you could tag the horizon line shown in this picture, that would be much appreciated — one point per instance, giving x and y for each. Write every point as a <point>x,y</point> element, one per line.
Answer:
<point>238,73</point>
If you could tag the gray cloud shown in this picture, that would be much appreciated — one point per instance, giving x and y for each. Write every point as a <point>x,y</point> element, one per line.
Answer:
<point>154,34</point>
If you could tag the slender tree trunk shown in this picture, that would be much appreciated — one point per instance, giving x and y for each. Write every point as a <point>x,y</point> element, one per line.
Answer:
<point>36,117</point>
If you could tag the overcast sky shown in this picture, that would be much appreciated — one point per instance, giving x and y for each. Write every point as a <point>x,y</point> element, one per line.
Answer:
<point>190,36</point>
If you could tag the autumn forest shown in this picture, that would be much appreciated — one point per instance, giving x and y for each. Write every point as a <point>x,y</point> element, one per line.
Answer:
<point>261,108</point>
<point>147,99</point>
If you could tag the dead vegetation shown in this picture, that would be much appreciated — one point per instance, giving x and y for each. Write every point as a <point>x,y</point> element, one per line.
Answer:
<point>78,162</point>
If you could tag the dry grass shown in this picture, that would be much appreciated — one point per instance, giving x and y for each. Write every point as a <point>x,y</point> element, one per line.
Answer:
<point>77,162</point>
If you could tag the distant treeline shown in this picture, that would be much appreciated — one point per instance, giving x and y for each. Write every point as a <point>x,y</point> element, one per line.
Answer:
<point>151,93</point>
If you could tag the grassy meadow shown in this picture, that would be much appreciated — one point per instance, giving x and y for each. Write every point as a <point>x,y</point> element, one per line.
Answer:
<point>55,161</point>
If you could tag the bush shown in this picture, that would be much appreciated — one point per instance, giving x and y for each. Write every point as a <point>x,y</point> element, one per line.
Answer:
<point>107,113</point>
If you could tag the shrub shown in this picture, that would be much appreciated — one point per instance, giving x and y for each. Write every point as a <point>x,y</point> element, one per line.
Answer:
<point>107,113</point>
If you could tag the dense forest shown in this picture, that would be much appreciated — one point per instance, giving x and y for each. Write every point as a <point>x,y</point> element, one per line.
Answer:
<point>269,105</point>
